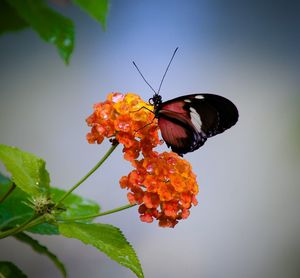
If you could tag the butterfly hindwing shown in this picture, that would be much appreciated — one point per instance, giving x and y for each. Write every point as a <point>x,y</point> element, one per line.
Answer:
<point>179,133</point>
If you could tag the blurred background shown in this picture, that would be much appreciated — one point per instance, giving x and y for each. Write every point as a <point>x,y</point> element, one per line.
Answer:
<point>247,221</point>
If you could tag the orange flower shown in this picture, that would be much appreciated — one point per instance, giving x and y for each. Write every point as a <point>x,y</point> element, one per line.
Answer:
<point>129,120</point>
<point>163,186</point>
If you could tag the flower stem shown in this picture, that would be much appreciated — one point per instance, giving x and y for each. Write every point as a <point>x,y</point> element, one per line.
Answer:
<point>34,220</point>
<point>112,148</point>
<point>10,190</point>
<point>98,214</point>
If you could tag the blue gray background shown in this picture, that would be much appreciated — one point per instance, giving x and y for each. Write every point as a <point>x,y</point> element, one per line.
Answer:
<point>247,221</point>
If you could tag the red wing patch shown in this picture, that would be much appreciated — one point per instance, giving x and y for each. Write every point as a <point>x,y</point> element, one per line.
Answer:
<point>174,134</point>
<point>176,106</point>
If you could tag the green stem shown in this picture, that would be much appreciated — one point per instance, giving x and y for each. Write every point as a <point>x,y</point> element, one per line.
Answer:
<point>112,148</point>
<point>98,214</point>
<point>10,190</point>
<point>34,220</point>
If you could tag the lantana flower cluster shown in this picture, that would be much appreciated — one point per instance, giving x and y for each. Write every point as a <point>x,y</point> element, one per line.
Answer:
<point>129,120</point>
<point>162,184</point>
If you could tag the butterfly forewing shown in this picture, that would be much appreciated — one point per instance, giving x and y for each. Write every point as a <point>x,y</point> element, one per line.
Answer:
<point>226,111</point>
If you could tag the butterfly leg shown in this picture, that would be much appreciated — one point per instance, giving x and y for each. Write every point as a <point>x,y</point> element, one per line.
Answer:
<point>143,107</point>
<point>145,126</point>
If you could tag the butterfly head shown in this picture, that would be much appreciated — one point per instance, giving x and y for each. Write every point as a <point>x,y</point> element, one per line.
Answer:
<point>156,100</point>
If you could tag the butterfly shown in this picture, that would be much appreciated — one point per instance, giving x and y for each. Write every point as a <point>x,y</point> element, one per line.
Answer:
<point>187,121</point>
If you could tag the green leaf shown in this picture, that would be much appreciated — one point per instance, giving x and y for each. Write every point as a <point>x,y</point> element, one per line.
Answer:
<point>14,212</point>
<point>50,25</point>
<point>36,246</point>
<point>9,270</point>
<point>28,171</point>
<point>10,19</point>
<point>107,239</point>
<point>44,229</point>
<point>97,9</point>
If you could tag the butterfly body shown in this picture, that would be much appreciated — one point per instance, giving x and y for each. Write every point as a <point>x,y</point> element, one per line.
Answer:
<point>187,121</point>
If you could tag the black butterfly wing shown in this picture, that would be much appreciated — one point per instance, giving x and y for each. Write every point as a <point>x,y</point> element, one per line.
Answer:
<point>186,122</point>
<point>216,112</point>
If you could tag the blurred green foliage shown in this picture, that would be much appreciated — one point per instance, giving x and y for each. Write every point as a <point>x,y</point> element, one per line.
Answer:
<point>51,26</point>
<point>9,270</point>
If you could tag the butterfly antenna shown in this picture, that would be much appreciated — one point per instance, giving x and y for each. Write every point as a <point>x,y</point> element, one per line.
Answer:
<point>143,77</point>
<point>162,80</point>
